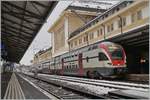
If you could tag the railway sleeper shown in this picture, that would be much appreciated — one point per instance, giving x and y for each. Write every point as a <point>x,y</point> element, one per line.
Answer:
<point>74,89</point>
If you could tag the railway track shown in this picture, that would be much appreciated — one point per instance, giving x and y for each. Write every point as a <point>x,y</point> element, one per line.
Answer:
<point>59,91</point>
<point>115,84</point>
<point>110,84</point>
<point>94,88</point>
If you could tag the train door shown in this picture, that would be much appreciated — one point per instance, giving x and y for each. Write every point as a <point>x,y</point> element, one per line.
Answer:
<point>62,69</point>
<point>54,65</point>
<point>49,67</point>
<point>80,64</point>
<point>59,65</point>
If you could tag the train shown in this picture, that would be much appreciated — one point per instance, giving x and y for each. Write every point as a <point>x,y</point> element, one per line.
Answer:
<point>100,60</point>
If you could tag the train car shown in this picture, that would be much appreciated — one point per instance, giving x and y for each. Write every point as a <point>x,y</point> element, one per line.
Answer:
<point>97,60</point>
<point>45,67</point>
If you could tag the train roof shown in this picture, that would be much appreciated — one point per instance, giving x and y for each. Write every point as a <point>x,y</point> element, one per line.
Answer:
<point>86,48</point>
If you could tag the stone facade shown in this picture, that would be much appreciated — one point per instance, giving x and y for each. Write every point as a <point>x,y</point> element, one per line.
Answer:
<point>43,55</point>
<point>133,15</point>
<point>68,22</point>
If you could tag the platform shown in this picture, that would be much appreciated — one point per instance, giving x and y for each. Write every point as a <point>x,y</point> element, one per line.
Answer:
<point>5,77</point>
<point>16,87</point>
<point>138,77</point>
<point>130,94</point>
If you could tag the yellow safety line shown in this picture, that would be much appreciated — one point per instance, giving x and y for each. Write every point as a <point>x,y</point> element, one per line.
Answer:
<point>6,92</point>
<point>9,89</point>
<point>14,90</point>
<point>17,90</point>
<point>20,89</point>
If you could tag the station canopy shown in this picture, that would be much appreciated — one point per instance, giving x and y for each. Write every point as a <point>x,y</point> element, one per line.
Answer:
<point>20,23</point>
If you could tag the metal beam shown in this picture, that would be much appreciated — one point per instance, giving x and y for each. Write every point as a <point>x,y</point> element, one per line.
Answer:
<point>18,24</point>
<point>19,48</point>
<point>14,45</point>
<point>9,42</point>
<point>17,7</point>
<point>14,41</point>
<point>36,8</point>
<point>15,33</point>
<point>37,3</point>
<point>131,40</point>
<point>23,12</point>
<point>139,42</point>
<point>126,36</point>
<point>144,44</point>
<point>14,51</point>
<point>6,7</point>
<point>16,13</point>
<point>26,33</point>
<point>22,19</point>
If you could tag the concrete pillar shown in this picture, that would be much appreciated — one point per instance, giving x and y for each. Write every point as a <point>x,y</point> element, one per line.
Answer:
<point>52,41</point>
<point>66,31</point>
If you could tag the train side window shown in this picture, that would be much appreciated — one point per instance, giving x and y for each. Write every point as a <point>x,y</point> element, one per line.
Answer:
<point>95,47</point>
<point>75,66</point>
<point>89,49</point>
<point>87,59</point>
<point>102,56</point>
<point>68,67</point>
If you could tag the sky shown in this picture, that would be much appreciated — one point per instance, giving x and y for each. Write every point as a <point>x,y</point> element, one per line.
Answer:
<point>43,38</point>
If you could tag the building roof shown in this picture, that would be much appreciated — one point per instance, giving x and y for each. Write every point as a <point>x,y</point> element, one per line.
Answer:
<point>86,9</point>
<point>20,23</point>
<point>43,51</point>
<point>78,10</point>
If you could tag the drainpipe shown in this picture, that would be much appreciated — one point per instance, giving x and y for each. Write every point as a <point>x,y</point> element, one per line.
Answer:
<point>121,22</point>
<point>104,31</point>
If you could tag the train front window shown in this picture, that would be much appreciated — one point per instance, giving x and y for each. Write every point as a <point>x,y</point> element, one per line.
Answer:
<point>102,56</point>
<point>116,52</point>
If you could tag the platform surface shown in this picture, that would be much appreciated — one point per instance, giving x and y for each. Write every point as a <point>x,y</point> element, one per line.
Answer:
<point>131,94</point>
<point>5,77</point>
<point>138,77</point>
<point>16,87</point>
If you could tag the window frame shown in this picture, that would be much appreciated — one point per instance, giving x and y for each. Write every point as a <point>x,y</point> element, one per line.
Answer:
<point>100,57</point>
<point>139,15</point>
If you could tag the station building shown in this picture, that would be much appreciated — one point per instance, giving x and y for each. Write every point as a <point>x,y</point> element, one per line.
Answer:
<point>43,55</point>
<point>72,18</point>
<point>126,23</point>
<point>126,15</point>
